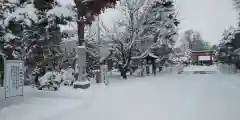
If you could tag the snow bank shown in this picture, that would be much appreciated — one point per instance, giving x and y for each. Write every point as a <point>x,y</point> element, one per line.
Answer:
<point>225,68</point>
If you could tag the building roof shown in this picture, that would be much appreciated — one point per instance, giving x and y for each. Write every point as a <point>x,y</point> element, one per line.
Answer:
<point>202,51</point>
<point>145,54</point>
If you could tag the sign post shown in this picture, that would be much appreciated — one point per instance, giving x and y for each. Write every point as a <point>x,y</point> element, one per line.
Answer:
<point>13,78</point>
<point>104,75</point>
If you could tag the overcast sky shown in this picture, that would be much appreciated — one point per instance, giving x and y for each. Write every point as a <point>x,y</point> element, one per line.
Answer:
<point>210,17</point>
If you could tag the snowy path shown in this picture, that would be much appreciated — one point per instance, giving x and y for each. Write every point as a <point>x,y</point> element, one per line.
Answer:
<point>164,97</point>
<point>176,97</point>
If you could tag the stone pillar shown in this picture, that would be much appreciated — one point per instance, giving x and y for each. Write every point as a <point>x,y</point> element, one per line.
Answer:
<point>98,76</point>
<point>2,60</point>
<point>147,70</point>
<point>81,62</point>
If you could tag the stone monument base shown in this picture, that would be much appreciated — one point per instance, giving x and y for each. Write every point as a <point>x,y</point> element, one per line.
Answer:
<point>81,84</point>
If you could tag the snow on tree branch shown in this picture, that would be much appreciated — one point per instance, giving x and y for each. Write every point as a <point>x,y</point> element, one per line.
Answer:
<point>228,35</point>
<point>125,33</point>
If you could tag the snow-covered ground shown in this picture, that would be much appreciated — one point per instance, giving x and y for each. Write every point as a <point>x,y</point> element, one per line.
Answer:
<point>162,97</point>
<point>39,105</point>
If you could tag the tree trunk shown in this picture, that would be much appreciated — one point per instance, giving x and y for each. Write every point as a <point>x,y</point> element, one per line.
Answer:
<point>123,72</point>
<point>36,80</point>
<point>154,67</point>
<point>81,26</point>
<point>160,69</point>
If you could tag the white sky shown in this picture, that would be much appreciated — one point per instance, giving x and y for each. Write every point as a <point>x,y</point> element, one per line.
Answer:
<point>209,17</point>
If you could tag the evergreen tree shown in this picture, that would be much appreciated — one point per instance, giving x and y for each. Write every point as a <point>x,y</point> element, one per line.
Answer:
<point>45,32</point>
<point>161,20</point>
<point>198,44</point>
<point>7,39</point>
<point>37,28</point>
<point>229,45</point>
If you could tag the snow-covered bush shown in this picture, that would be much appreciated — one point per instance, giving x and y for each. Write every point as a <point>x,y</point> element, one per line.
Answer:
<point>50,80</point>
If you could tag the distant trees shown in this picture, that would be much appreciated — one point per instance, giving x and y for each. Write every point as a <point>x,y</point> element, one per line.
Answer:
<point>198,44</point>
<point>194,41</point>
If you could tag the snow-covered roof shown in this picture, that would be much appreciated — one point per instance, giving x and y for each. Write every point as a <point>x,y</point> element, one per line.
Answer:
<point>203,51</point>
<point>145,54</point>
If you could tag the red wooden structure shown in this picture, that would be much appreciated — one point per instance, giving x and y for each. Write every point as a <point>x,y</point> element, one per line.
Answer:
<point>195,55</point>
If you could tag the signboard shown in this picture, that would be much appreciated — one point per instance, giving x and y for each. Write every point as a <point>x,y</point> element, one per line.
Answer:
<point>104,76</point>
<point>204,58</point>
<point>13,78</point>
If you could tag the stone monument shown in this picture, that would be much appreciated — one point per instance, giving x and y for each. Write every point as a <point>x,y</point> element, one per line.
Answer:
<point>82,81</point>
<point>81,62</point>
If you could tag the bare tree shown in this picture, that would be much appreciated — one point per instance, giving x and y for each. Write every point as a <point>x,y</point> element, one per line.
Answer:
<point>127,33</point>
